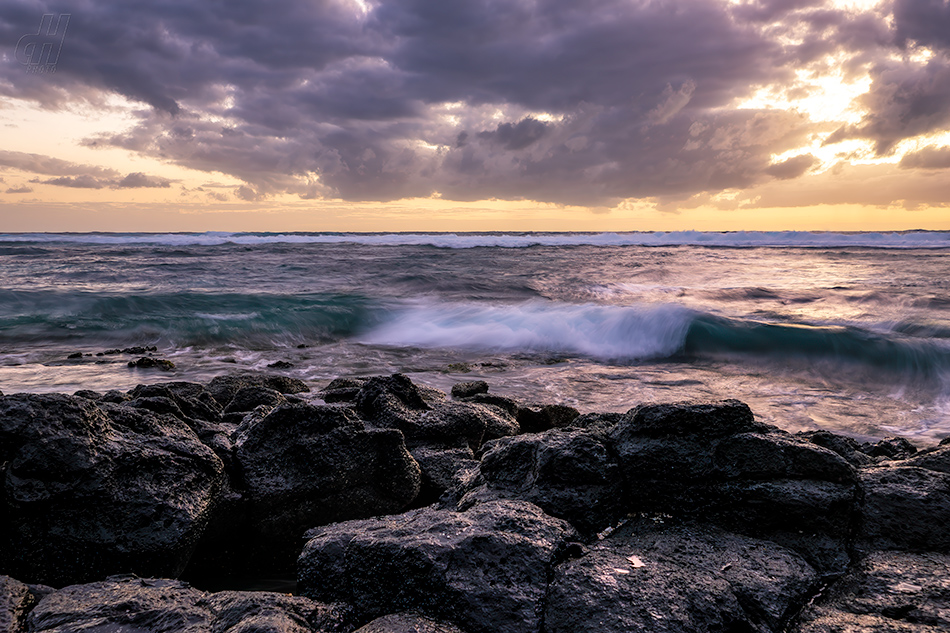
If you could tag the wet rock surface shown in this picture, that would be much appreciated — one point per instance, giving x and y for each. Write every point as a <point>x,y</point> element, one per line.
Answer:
<point>304,465</point>
<point>471,514</point>
<point>570,474</point>
<point>713,460</point>
<point>485,570</point>
<point>683,578</point>
<point>407,623</point>
<point>171,606</point>
<point>887,591</point>
<point>89,492</point>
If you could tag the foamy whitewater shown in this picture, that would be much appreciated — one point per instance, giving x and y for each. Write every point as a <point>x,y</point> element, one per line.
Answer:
<point>844,331</point>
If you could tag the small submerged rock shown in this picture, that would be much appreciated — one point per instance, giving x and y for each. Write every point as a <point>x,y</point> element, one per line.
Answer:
<point>147,362</point>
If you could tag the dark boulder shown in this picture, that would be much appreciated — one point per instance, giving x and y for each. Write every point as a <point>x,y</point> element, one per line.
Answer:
<point>848,448</point>
<point>485,570</point>
<point>600,422</point>
<point>713,460</point>
<point>891,448</point>
<point>570,474</point>
<point>248,398</point>
<point>223,388</point>
<point>905,508</point>
<point>90,492</point>
<point>170,606</point>
<point>682,578</point>
<point>441,470</point>
<point>194,401</point>
<point>539,418</point>
<point>395,402</point>
<point>407,623</point>
<point>506,404</point>
<point>886,592</point>
<point>304,465</point>
<point>469,388</point>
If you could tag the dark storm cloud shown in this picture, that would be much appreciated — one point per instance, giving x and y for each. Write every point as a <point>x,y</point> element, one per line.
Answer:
<point>316,98</point>
<point>923,21</point>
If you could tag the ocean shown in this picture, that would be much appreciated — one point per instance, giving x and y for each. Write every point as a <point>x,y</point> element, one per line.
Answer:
<point>848,332</point>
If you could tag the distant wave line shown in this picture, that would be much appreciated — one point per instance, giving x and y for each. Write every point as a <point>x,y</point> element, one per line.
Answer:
<point>736,239</point>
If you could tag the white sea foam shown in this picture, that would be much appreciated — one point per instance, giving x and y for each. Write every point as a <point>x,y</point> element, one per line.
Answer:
<point>595,331</point>
<point>738,239</point>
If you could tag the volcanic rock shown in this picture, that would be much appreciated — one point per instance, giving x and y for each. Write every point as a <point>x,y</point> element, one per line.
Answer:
<point>485,569</point>
<point>682,578</point>
<point>88,494</point>
<point>128,603</point>
<point>887,591</point>
<point>304,465</point>
<point>570,474</point>
<point>713,460</point>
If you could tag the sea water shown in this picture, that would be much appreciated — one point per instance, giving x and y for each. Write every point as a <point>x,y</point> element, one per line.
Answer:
<point>846,332</point>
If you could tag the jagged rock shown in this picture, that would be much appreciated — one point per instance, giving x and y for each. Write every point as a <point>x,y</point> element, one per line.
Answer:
<point>342,390</point>
<point>570,474</point>
<point>508,405</point>
<point>88,394</point>
<point>680,578</point>
<point>887,592</point>
<point>171,606</point>
<point>306,465</point>
<point>407,623</point>
<point>713,460</point>
<point>844,446</point>
<point>223,388</point>
<point>891,448</point>
<point>88,494</point>
<point>280,364</point>
<point>937,459</point>
<point>248,398</point>
<point>469,388</point>
<point>538,418</point>
<point>906,508</point>
<point>193,400</point>
<point>485,570</point>
<point>440,469</point>
<point>601,422</point>
<point>157,404</point>
<point>115,396</point>
<point>16,600</point>
<point>395,402</point>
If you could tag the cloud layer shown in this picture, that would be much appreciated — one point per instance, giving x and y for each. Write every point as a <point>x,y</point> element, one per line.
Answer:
<point>569,101</point>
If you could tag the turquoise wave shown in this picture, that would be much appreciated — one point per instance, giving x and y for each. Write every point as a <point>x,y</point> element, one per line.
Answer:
<point>710,336</point>
<point>181,319</point>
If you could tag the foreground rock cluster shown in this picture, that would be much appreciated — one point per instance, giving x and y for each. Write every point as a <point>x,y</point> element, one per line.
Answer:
<point>400,508</point>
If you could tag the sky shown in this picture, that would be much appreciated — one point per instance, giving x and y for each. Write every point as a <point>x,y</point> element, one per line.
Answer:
<point>435,115</point>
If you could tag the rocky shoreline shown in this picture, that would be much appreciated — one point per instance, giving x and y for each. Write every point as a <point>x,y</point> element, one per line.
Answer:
<point>401,508</point>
